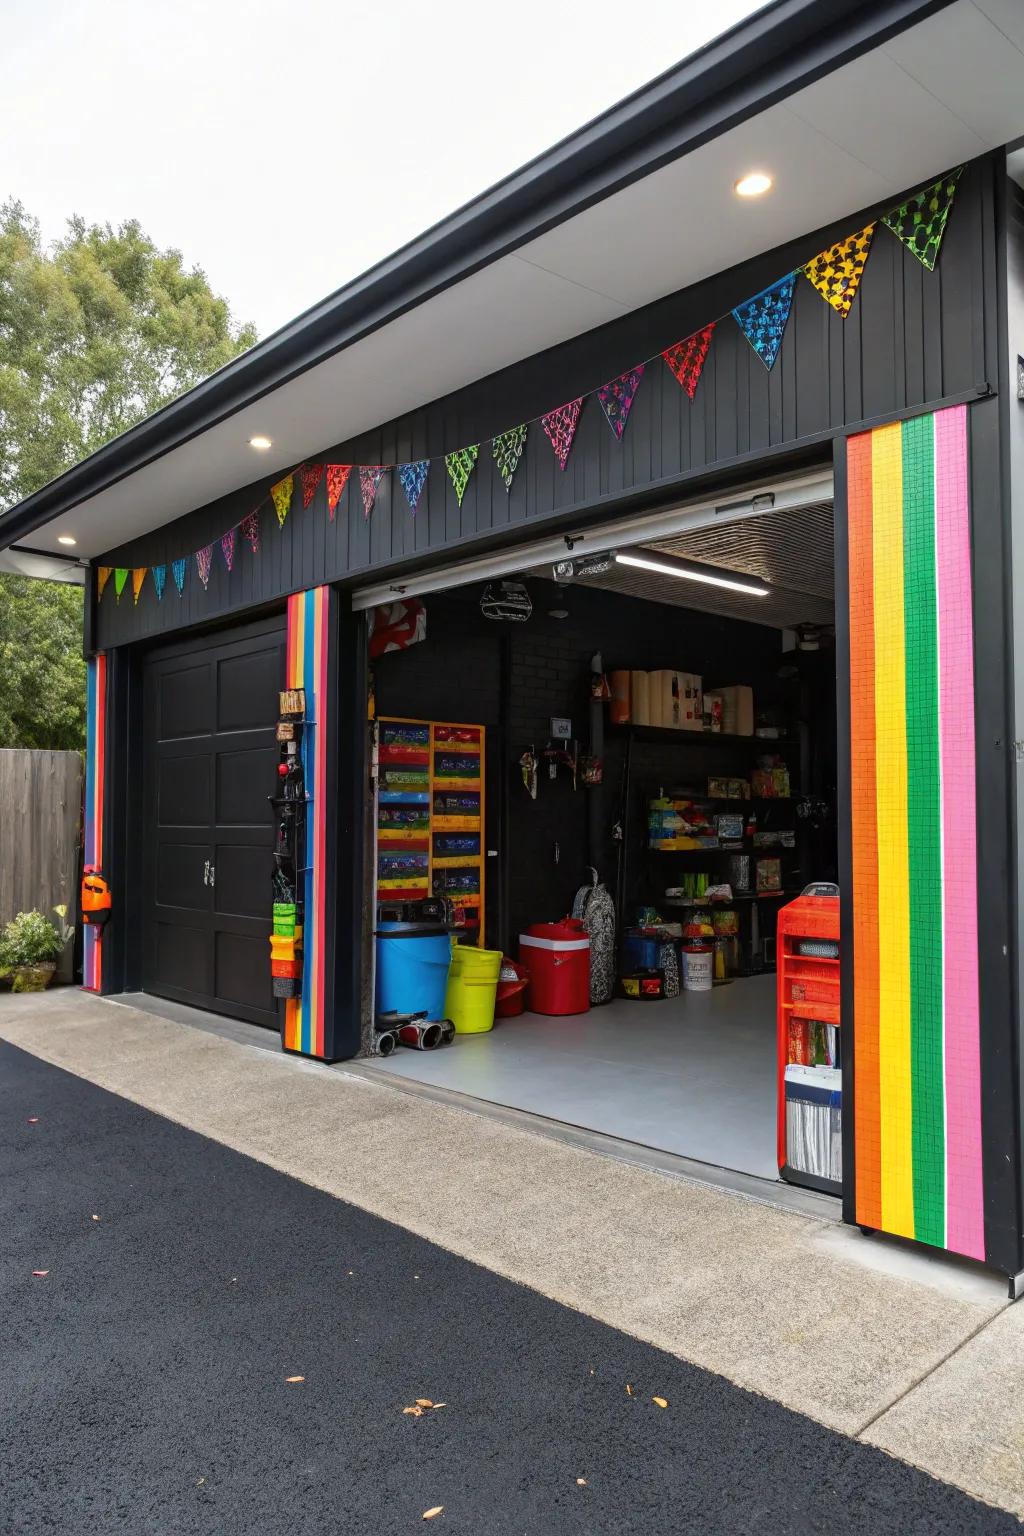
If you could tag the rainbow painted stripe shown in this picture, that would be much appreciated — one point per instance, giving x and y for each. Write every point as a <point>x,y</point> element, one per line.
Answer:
<point>917,1076</point>
<point>307,668</point>
<point>95,757</point>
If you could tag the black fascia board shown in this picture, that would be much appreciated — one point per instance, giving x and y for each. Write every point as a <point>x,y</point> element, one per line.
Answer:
<point>780,49</point>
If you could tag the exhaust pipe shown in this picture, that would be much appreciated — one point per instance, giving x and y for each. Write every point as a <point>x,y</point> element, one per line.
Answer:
<point>447,1029</point>
<point>420,1037</point>
<point>385,1043</point>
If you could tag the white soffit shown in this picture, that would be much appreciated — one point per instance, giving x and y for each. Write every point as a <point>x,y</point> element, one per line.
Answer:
<point>939,93</point>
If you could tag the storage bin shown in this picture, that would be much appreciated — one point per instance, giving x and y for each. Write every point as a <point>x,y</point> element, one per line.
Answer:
<point>413,960</point>
<point>558,958</point>
<point>472,988</point>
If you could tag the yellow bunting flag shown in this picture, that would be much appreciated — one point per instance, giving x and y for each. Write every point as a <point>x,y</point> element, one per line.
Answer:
<point>282,494</point>
<point>102,577</point>
<point>836,273</point>
<point>138,577</point>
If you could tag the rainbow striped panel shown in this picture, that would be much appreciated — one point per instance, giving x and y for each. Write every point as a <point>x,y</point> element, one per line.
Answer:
<point>95,752</point>
<point>307,653</point>
<point>917,1073</point>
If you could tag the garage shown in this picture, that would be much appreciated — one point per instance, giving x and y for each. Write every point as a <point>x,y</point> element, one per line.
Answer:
<point>210,708</point>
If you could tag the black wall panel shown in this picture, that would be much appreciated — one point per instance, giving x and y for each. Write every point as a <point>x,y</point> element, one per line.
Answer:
<point>911,337</point>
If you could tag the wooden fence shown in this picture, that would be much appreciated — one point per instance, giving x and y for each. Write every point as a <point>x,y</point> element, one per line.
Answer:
<point>40,835</point>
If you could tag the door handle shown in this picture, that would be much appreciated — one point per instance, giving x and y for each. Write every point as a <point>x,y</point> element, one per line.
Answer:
<point>213,874</point>
<point>206,873</point>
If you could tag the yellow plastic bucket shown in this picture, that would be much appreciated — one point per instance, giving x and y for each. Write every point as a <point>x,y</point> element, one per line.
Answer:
<point>472,987</point>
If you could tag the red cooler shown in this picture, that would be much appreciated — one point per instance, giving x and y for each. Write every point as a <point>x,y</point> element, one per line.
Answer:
<point>557,956</point>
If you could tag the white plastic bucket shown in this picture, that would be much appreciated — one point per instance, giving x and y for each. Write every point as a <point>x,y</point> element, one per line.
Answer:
<point>698,970</point>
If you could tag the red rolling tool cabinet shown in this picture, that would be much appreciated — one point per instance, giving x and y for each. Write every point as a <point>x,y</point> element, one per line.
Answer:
<point>809,1049</point>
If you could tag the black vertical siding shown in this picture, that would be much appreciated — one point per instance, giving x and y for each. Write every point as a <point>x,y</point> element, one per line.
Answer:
<point>911,337</point>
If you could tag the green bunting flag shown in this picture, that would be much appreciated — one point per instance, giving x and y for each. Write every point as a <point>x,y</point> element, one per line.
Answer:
<point>920,222</point>
<point>120,577</point>
<point>508,448</point>
<point>460,466</point>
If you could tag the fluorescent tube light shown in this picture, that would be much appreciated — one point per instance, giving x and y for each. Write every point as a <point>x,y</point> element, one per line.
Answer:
<point>668,565</point>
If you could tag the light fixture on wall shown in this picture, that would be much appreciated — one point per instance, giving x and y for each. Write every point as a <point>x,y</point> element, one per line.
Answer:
<point>692,570</point>
<point>261,444</point>
<point>753,184</point>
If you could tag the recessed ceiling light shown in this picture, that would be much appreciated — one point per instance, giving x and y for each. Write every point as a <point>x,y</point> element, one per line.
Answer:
<point>65,538</point>
<point>754,184</point>
<point>262,443</point>
<point>710,576</point>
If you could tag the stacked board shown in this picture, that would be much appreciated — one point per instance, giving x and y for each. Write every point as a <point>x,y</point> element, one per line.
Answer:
<point>430,814</point>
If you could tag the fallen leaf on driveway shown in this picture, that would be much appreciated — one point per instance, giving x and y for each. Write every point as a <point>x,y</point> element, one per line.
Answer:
<point>629,1390</point>
<point>40,1274</point>
<point>439,1405</point>
<point>33,1119</point>
<point>661,1402</point>
<point>428,1514</point>
<point>94,1216</point>
<point>294,1378</point>
<point>581,1482</point>
<point>424,1402</point>
<point>417,1413</point>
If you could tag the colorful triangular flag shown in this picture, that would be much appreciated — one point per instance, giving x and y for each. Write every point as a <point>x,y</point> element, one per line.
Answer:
<point>836,273</point>
<point>414,478</point>
<point>369,479</point>
<point>459,465</point>
<point>178,570</point>
<point>686,358</point>
<point>250,526</point>
<point>337,475</point>
<point>204,560</point>
<point>920,222</point>
<point>617,397</point>
<point>138,577</point>
<point>282,495</point>
<point>120,577</point>
<point>227,547</point>
<point>312,474</point>
<point>159,581</point>
<point>102,577</point>
<point>508,448</point>
<point>762,319</point>
<point>560,426</point>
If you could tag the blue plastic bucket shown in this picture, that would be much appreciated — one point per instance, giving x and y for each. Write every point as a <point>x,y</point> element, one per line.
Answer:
<point>412,969</point>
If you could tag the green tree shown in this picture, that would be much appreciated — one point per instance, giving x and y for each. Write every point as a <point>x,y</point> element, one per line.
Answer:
<point>97,331</point>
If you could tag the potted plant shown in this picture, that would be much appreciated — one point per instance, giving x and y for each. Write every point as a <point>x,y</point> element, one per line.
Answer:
<point>30,947</point>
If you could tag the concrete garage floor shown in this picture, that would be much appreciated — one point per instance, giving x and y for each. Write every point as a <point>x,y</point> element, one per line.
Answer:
<point>693,1075</point>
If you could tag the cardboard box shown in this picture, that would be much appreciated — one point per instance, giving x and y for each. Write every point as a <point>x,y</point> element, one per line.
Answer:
<point>640,699</point>
<point>619,708</point>
<point>737,710</point>
<point>691,701</point>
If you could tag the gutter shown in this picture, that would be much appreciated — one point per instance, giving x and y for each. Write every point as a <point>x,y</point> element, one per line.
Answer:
<point>780,49</point>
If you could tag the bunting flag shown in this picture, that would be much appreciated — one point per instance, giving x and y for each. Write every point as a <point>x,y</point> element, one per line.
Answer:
<point>508,448</point>
<point>159,581</point>
<point>337,475</point>
<point>178,569</point>
<point>312,474</point>
<point>282,494</point>
<point>227,547</point>
<point>460,466</point>
<point>560,427</point>
<point>250,526</point>
<point>138,577</point>
<point>120,577</point>
<point>617,397</point>
<point>762,319</point>
<point>920,222</point>
<point>369,479</point>
<point>836,273</point>
<point>686,358</point>
<point>204,559</point>
<point>413,478</point>
<point>102,577</point>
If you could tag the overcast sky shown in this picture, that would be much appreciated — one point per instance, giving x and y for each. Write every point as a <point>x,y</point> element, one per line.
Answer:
<point>286,145</point>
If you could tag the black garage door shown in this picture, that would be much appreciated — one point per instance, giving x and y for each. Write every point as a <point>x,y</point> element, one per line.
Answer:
<point>210,756</point>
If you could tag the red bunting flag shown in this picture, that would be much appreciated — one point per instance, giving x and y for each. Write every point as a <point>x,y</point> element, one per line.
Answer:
<point>560,427</point>
<point>686,358</point>
<point>250,526</point>
<point>369,479</point>
<point>337,477</point>
<point>312,474</point>
<point>204,559</point>
<point>227,547</point>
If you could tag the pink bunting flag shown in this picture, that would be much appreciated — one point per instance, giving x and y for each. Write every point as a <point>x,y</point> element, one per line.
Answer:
<point>227,547</point>
<point>686,358</point>
<point>617,397</point>
<point>250,526</point>
<point>312,474</point>
<point>560,427</point>
<point>369,479</point>
<point>337,478</point>
<point>204,559</point>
